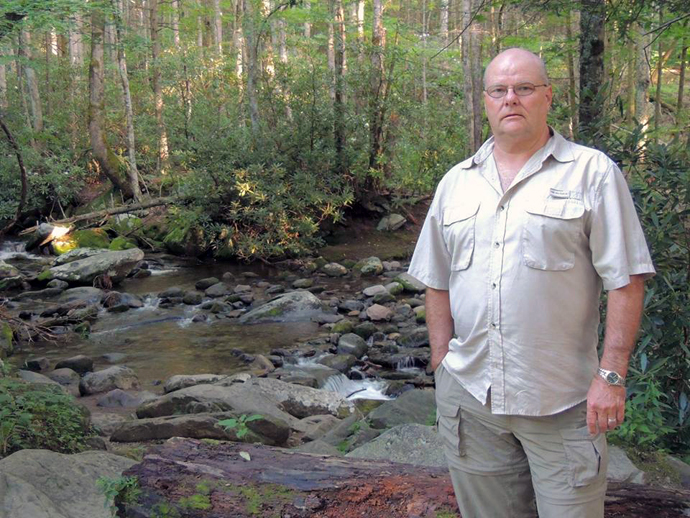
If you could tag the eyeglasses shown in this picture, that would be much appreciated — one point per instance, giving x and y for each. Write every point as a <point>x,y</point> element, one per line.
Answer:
<point>522,90</point>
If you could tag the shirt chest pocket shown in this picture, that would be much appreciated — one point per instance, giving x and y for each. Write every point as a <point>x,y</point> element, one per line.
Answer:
<point>458,233</point>
<point>551,233</point>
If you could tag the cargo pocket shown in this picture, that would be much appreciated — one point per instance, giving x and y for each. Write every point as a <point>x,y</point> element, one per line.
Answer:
<point>449,426</point>
<point>458,233</point>
<point>551,233</point>
<point>584,454</point>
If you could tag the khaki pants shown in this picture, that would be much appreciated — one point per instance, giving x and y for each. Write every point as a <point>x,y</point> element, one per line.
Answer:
<point>506,466</point>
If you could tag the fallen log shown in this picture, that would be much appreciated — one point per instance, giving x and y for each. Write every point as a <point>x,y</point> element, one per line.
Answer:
<point>201,479</point>
<point>107,212</point>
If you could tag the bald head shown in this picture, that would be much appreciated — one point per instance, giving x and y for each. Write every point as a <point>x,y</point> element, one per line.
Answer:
<point>519,58</point>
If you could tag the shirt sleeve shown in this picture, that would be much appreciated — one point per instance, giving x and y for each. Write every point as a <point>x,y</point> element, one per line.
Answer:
<point>431,260</point>
<point>616,240</point>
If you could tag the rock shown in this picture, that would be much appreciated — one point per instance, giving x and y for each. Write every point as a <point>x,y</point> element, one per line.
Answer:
<point>172,293</point>
<point>242,288</point>
<point>80,364</point>
<point>378,313</point>
<point>383,298</point>
<point>6,340</point>
<point>390,266</point>
<point>64,376</point>
<point>118,398</point>
<point>37,364</point>
<point>38,295</point>
<point>340,362</point>
<point>261,365</point>
<point>420,314</point>
<point>301,401</point>
<point>410,284</point>
<point>302,284</point>
<point>236,398</point>
<point>417,338</point>
<point>316,426</point>
<point>400,359</point>
<point>414,406</point>
<point>351,305</point>
<point>56,283</point>
<point>43,231</point>
<point>391,222</point>
<point>334,270</point>
<point>106,424</point>
<point>369,267</point>
<point>35,377</point>
<point>326,318</point>
<point>192,298</point>
<point>206,283</point>
<point>10,277</point>
<point>115,265</point>
<point>621,469</point>
<point>353,344</point>
<point>45,484</point>
<point>296,306</point>
<point>394,445</point>
<point>275,289</point>
<point>681,468</point>
<point>181,381</point>
<point>86,238</point>
<point>371,291</point>
<point>219,289</point>
<point>108,379</point>
<point>365,329</point>
<point>342,327</point>
<point>265,430</point>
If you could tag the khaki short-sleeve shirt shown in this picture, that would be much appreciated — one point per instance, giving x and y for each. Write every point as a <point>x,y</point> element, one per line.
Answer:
<point>525,269</point>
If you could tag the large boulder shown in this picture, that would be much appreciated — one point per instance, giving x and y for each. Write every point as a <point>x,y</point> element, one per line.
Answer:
<point>394,445</point>
<point>181,381</point>
<point>621,468</point>
<point>296,306</point>
<point>265,429</point>
<point>414,406</point>
<point>45,484</point>
<point>353,344</point>
<point>369,267</point>
<point>301,401</point>
<point>76,254</point>
<point>410,284</point>
<point>81,296</point>
<point>116,377</point>
<point>115,265</point>
<point>86,238</point>
<point>391,222</point>
<point>10,277</point>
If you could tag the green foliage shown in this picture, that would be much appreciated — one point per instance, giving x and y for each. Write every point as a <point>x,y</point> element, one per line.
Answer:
<point>239,424</point>
<point>197,501</point>
<point>40,416</point>
<point>125,489</point>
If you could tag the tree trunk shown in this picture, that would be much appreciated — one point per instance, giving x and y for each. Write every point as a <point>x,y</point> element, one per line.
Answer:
<point>3,86</point>
<point>477,79</point>
<point>106,159</point>
<point>22,178</point>
<point>133,174</point>
<point>377,86</point>
<point>469,60</point>
<point>31,83</point>
<point>642,79</point>
<point>330,56</point>
<point>630,78</point>
<point>307,25</point>
<point>338,104</point>
<point>249,24</point>
<point>659,69</point>
<point>681,78</point>
<point>176,22</point>
<point>424,36</point>
<point>76,45</point>
<point>443,29</point>
<point>238,41</point>
<point>269,63</point>
<point>591,68</point>
<point>162,158</point>
<point>572,89</point>
<point>217,27</point>
<point>359,17</point>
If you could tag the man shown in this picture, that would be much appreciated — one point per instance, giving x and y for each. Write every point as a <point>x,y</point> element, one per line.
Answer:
<point>517,244</point>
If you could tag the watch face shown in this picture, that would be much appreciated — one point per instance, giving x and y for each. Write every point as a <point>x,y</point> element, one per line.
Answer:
<point>612,378</point>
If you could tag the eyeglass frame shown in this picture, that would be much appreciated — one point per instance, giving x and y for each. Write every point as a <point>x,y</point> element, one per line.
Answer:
<point>514,91</point>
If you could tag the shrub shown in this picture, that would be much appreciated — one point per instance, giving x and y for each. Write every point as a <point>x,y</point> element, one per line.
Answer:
<point>40,416</point>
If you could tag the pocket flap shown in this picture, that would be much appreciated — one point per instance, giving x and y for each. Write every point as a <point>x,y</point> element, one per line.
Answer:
<point>561,208</point>
<point>454,214</point>
<point>447,408</point>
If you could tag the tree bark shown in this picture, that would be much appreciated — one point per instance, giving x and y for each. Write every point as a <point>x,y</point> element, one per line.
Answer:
<point>269,62</point>
<point>162,158</point>
<point>31,83</point>
<point>443,28</point>
<point>477,79</point>
<point>22,176</point>
<point>338,102</point>
<point>659,70</point>
<point>76,45</point>
<point>592,78</point>
<point>377,86</point>
<point>572,89</point>
<point>106,159</point>
<point>642,79</point>
<point>176,22</point>
<point>681,79</point>
<point>3,86</point>
<point>217,27</point>
<point>249,24</point>
<point>470,57</point>
<point>238,41</point>
<point>307,25</point>
<point>133,174</point>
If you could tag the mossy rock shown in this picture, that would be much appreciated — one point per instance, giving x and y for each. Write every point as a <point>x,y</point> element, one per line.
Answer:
<point>343,327</point>
<point>122,225</point>
<point>185,240</point>
<point>6,345</point>
<point>45,275</point>
<point>122,243</point>
<point>89,238</point>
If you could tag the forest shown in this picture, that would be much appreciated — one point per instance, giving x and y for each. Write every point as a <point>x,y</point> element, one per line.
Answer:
<point>256,125</point>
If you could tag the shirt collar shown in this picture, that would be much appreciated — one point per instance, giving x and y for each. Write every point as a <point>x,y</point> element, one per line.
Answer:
<point>556,146</point>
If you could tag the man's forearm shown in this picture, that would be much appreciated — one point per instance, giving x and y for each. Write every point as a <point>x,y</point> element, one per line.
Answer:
<point>623,313</point>
<point>439,322</point>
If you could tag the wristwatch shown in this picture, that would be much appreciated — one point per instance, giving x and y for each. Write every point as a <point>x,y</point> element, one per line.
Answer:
<point>611,377</point>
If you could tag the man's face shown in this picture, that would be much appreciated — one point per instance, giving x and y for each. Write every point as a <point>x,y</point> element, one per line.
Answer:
<point>513,116</point>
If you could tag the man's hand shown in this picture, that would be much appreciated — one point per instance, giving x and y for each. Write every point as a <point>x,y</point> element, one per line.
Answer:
<point>605,406</point>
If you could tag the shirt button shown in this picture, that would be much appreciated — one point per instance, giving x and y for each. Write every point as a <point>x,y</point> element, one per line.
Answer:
<point>493,325</point>
<point>497,244</point>
<point>493,285</point>
<point>503,207</point>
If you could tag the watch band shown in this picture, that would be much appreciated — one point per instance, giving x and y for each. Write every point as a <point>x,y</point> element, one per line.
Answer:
<point>611,377</point>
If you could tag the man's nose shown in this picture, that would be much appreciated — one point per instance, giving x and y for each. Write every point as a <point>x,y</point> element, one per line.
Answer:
<point>511,97</point>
